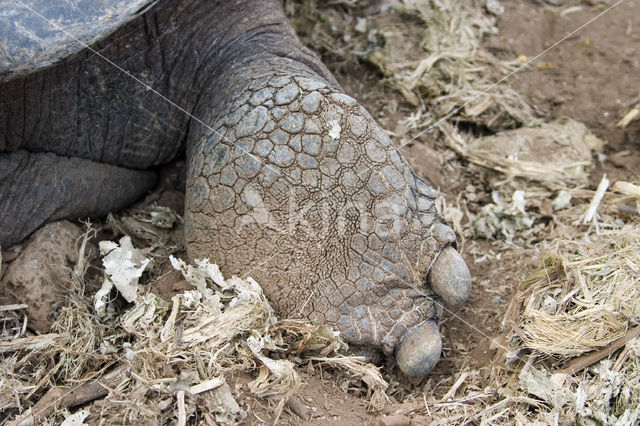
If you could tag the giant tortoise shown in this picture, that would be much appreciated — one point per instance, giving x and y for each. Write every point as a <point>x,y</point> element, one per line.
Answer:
<point>287,176</point>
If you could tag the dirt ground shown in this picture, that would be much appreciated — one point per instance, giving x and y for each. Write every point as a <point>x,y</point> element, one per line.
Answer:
<point>590,77</point>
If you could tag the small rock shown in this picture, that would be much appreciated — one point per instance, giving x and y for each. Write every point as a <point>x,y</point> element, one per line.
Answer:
<point>32,277</point>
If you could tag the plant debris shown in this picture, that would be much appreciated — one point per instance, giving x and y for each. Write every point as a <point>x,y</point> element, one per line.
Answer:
<point>501,220</point>
<point>558,153</point>
<point>432,52</point>
<point>585,295</point>
<point>179,352</point>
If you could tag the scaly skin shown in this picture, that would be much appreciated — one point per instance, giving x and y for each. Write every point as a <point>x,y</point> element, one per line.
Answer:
<point>289,180</point>
<point>341,225</point>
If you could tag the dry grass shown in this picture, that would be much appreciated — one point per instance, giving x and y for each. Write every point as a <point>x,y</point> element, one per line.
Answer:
<point>433,56</point>
<point>428,50</point>
<point>172,353</point>
<point>588,296</point>
<point>557,154</point>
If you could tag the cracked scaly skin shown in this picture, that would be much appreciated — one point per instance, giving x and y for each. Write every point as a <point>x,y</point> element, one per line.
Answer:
<point>299,181</point>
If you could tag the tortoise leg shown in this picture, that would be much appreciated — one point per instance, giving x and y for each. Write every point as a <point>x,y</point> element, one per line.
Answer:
<point>37,188</point>
<point>292,182</point>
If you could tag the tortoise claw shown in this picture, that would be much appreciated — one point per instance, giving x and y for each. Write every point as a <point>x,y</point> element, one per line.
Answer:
<point>449,277</point>
<point>419,350</point>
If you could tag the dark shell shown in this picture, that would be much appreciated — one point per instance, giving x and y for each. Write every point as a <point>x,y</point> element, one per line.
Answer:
<point>37,33</point>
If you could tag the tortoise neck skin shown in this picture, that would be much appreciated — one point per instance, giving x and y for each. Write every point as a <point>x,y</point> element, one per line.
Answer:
<point>86,107</point>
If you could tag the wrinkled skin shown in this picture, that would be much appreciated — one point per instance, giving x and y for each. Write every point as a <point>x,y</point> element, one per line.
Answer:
<point>289,180</point>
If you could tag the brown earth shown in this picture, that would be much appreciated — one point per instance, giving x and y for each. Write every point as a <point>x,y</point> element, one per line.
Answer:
<point>590,77</point>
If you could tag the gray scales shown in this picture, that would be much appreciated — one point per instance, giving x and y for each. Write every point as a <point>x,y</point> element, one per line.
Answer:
<point>287,175</point>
